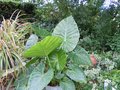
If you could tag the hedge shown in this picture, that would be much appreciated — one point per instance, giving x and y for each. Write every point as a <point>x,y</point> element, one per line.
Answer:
<point>7,8</point>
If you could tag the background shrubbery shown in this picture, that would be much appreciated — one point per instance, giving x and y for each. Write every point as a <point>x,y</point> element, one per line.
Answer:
<point>97,25</point>
<point>7,8</point>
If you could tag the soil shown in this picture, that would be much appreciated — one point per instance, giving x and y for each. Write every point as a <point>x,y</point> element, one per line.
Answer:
<point>4,82</point>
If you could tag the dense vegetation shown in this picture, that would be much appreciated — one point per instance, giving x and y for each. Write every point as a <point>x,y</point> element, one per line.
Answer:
<point>7,8</point>
<point>73,45</point>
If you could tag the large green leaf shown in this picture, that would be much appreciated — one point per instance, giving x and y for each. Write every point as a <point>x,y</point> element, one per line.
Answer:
<point>21,83</point>
<point>76,74</point>
<point>58,58</point>
<point>68,30</point>
<point>38,79</point>
<point>67,84</point>
<point>80,56</point>
<point>44,47</point>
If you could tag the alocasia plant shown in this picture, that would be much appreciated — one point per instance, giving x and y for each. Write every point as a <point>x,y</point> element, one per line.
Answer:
<point>54,67</point>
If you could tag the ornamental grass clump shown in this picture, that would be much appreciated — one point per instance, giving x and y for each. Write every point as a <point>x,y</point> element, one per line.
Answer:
<point>12,38</point>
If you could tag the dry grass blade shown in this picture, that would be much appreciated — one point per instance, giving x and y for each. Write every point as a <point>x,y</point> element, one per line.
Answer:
<point>12,38</point>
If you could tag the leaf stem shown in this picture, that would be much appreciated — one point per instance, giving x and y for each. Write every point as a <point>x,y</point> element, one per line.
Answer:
<point>49,62</point>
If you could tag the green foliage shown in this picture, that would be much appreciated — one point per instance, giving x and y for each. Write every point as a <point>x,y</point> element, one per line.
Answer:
<point>76,74</point>
<point>47,16</point>
<point>38,79</point>
<point>58,59</point>
<point>28,8</point>
<point>116,58</point>
<point>106,27</point>
<point>99,28</point>
<point>68,30</point>
<point>50,58</point>
<point>113,75</point>
<point>40,32</point>
<point>67,84</point>
<point>115,43</point>
<point>87,86</point>
<point>53,12</point>
<point>44,47</point>
<point>21,83</point>
<point>100,25</point>
<point>7,8</point>
<point>63,8</point>
<point>80,56</point>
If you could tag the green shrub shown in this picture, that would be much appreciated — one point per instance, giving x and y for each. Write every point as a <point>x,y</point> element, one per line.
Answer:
<point>100,25</point>
<point>7,8</point>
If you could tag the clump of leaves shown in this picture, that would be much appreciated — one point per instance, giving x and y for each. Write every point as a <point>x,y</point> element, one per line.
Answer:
<point>12,37</point>
<point>114,43</point>
<point>57,57</point>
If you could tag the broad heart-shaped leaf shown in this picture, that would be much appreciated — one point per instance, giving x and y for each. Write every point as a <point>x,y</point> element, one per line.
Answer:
<point>68,30</point>
<point>67,84</point>
<point>76,74</point>
<point>58,58</point>
<point>21,83</point>
<point>31,41</point>
<point>44,47</point>
<point>38,79</point>
<point>80,56</point>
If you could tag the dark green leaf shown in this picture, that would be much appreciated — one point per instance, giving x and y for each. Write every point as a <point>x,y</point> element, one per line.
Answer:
<point>41,32</point>
<point>33,60</point>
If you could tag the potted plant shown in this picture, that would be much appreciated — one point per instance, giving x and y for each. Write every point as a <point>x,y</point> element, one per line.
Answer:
<point>58,60</point>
